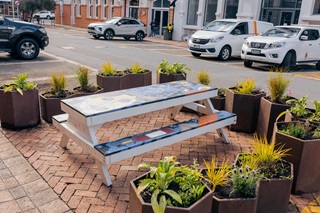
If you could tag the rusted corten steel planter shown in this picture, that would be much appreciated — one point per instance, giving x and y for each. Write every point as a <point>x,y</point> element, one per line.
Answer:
<point>137,80</point>
<point>111,83</point>
<point>164,78</point>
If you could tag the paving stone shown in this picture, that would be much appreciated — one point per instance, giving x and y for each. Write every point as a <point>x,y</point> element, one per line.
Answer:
<point>10,182</point>
<point>35,186</point>
<point>9,207</point>
<point>56,206</point>
<point>27,177</point>
<point>25,204</point>
<point>17,192</point>
<point>5,195</point>
<point>5,173</point>
<point>43,197</point>
<point>20,168</point>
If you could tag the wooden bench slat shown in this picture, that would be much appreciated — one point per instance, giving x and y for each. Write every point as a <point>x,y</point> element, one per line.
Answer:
<point>60,118</point>
<point>120,145</point>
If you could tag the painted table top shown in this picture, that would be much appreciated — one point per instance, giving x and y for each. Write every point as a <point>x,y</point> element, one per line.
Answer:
<point>113,101</point>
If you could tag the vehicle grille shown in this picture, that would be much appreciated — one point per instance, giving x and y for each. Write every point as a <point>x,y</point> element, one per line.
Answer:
<point>197,49</point>
<point>90,28</point>
<point>258,45</point>
<point>200,41</point>
<point>259,55</point>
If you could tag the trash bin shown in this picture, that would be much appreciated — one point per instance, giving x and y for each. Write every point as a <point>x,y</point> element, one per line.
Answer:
<point>166,34</point>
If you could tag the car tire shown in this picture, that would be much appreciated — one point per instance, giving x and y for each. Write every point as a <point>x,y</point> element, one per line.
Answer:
<point>48,17</point>
<point>318,65</point>
<point>96,36</point>
<point>196,54</point>
<point>139,36</point>
<point>225,53</point>
<point>287,61</point>
<point>247,63</point>
<point>108,35</point>
<point>27,49</point>
<point>126,38</point>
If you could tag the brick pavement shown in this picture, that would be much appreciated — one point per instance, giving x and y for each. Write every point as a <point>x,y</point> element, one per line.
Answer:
<point>35,172</point>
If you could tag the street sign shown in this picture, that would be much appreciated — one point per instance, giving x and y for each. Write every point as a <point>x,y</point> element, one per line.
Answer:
<point>17,2</point>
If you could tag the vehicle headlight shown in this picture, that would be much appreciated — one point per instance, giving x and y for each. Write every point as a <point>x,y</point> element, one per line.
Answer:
<point>247,43</point>
<point>43,30</point>
<point>277,44</point>
<point>98,28</point>
<point>213,40</point>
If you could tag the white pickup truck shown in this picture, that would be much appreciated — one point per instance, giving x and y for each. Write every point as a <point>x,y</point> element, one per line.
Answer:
<point>284,45</point>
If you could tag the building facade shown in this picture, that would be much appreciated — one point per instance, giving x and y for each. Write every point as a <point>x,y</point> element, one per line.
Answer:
<point>188,16</point>
<point>7,7</point>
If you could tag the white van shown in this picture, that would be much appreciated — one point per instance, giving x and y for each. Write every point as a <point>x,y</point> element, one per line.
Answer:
<point>224,38</point>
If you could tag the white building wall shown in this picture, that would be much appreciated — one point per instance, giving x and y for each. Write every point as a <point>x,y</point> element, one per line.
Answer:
<point>306,13</point>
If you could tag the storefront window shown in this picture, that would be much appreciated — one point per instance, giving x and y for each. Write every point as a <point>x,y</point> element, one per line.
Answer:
<point>316,9</point>
<point>134,3</point>
<point>231,9</point>
<point>161,3</point>
<point>210,11</point>
<point>192,12</point>
<point>282,3</point>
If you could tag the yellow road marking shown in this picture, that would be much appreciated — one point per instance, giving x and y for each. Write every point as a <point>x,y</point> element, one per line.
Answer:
<point>314,76</point>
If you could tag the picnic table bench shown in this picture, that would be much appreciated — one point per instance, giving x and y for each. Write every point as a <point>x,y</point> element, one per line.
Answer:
<point>84,115</point>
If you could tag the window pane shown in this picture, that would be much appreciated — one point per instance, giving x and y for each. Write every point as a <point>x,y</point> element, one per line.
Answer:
<point>192,12</point>
<point>134,3</point>
<point>157,3</point>
<point>166,3</point>
<point>316,9</point>
<point>210,11</point>
<point>231,8</point>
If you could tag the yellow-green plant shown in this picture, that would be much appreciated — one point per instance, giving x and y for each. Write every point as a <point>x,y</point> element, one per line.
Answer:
<point>203,77</point>
<point>136,68</point>
<point>19,84</point>
<point>246,86</point>
<point>218,176</point>
<point>58,85</point>
<point>83,76</point>
<point>108,69</point>
<point>165,68</point>
<point>277,84</point>
<point>246,161</point>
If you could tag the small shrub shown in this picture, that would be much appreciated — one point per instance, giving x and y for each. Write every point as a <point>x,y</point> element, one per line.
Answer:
<point>19,84</point>
<point>316,134</point>
<point>83,76</point>
<point>136,68</point>
<point>165,68</point>
<point>221,92</point>
<point>316,115</point>
<point>203,77</point>
<point>297,130</point>
<point>247,86</point>
<point>299,107</point>
<point>277,85</point>
<point>58,85</point>
<point>108,69</point>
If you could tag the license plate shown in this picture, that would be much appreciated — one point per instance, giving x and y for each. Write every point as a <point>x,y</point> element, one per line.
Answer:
<point>196,45</point>
<point>257,52</point>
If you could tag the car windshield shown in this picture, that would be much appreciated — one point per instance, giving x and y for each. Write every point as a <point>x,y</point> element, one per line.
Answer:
<point>285,32</point>
<point>112,20</point>
<point>219,26</point>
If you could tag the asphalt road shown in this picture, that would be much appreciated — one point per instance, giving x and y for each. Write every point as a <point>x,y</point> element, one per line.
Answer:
<point>71,47</point>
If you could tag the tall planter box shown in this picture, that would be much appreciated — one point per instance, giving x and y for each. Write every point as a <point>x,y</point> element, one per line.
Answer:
<point>50,107</point>
<point>165,78</point>
<point>19,111</point>
<point>218,102</point>
<point>268,114</point>
<point>238,205</point>
<point>111,83</point>
<point>137,204</point>
<point>246,107</point>
<point>304,155</point>
<point>137,80</point>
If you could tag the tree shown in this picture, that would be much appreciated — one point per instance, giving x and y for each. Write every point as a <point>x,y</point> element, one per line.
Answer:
<point>30,6</point>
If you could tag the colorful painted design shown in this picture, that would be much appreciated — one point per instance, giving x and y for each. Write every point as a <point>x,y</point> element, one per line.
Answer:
<point>120,145</point>
<point>122,99</point>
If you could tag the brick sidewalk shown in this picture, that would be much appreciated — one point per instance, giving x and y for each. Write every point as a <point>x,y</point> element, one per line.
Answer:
<point>72,173</point>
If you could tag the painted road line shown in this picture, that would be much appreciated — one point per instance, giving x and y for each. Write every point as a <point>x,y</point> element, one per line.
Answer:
<point>68,48</point>
<point>30,62</point>
<point>314,76</point>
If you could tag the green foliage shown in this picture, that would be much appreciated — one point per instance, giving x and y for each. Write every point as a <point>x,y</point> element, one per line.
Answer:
<point>83,76</point>
<point>58,85</point>
<point>244,182</point>
<point>108,69</point>
<point>299,107</point>
<point>297,130</point>
<point>247,161</point>
<point>316,133</point>
<point>221,92</point>
<point>168,173</point>
<point>218,176</point>
<point>247,86</point>
<point>277,84</point>
<point>136,68</point>
<point>203,77</point>
<point>31,6</point>
<point>19,84</point>
<point>316,115</point>
<point>165,68</point>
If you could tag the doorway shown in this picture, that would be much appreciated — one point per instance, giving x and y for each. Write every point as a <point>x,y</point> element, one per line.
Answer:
<point>161,17</point>
<point>286,18</point>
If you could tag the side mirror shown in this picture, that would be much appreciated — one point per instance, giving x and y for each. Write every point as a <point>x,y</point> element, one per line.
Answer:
<point>304,38</point>
<point>119,23</point>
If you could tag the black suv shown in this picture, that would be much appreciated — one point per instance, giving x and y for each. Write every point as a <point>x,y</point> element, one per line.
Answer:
<point>21,38</point>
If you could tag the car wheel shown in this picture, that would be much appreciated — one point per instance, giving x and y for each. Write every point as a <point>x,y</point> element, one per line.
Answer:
<point>127,38</point>
<point>287,61</point>
<point>48,17</point>
<point>96,36</point>
<point>225,53</point>
<point>318,65</point>
<point>27,49</point>
<point>108,35</point>
<point>196,54</point>
<point>247,63</point>
<point>139,36</point>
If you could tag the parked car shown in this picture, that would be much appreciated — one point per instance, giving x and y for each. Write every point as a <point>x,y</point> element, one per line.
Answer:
<point>21,38</point>
<point>44,14</point>
<point>284,45</point>
<point>118,27</point>
<point>224,38</point>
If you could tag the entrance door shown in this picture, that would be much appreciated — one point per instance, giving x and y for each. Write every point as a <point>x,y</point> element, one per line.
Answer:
<point>161,17</point>
<point>286,18</point>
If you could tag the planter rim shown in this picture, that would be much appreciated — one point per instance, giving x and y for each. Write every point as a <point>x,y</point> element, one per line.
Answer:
<point>36,88</point>
<point>42,95</point>
<point>298,139</point>
<point>124,74</point>
<point>237,93</point>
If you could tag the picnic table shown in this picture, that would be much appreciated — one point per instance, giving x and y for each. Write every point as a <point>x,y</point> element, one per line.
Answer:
<point>84,115</point>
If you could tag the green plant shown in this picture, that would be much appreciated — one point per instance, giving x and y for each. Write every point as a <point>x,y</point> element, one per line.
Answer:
<point>316,133</point>
<point>203,77</point>
<point>136,68</point>
<point>108,69</point>
<point>217,176</point>
<point>316,115</point>
<point>247,161</point>
<point>247,86</point>
<point>277,85</point>
<point>297,130</point>
<point>221,92</point>
<point>299,107</point>
<point>169,172</point>
<point>19,84</point>
<point>58,85</point>
<point>83,76</point>
<point>165,68</point>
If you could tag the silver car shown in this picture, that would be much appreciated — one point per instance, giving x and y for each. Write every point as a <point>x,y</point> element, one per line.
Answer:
<point>118,27</point>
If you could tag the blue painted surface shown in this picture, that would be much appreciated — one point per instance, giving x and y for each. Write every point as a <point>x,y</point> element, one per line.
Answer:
<point>113,101</point>
<point>120,145</point>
